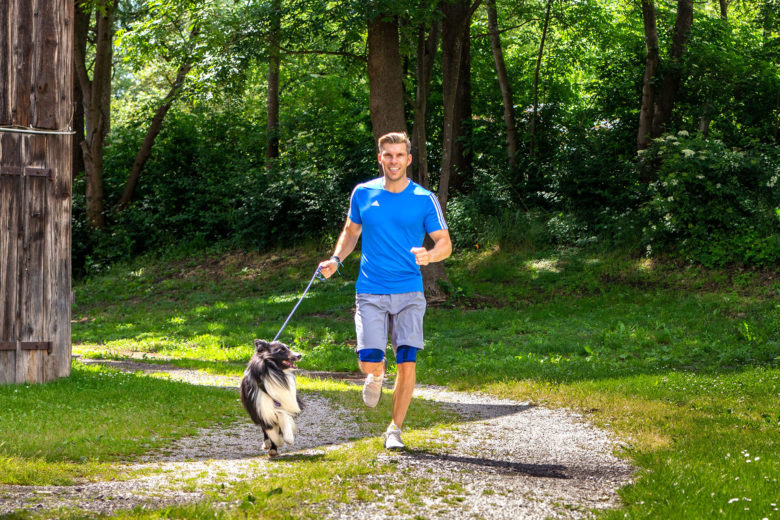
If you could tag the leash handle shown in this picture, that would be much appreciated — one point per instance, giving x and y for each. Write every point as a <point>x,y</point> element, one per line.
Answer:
<point>316,275</point>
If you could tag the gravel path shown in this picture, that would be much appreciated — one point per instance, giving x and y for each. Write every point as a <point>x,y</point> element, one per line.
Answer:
<point>509,460</point>
<point>182,469</point>
<point>506,460</point>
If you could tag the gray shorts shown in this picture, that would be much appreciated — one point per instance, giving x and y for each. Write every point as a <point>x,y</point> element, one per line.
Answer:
<point>399,314</point>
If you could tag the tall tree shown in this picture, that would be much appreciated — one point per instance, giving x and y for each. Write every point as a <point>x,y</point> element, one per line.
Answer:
<point>151,133</point>
<point>427,44</point>
<point>81,22</point>
<point>505,86</point>
<point>532,129</point>
<point>456,94</point>
<point>656,108</point>
<point>274,60</point>
<point>385,80</point>
<point>651,67</point>
<point>724,8</point>
<point>183,35</point>
<point>673,72</point>
<point>95,96</point>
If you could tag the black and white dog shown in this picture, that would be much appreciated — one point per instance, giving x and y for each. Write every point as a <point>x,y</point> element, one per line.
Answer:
<point>269,395</point>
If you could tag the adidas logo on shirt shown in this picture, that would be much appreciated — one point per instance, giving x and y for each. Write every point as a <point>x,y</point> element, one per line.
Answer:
<point>375,203</point>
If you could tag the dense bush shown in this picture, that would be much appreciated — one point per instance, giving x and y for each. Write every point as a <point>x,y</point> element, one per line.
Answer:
<point>207,185</point>
<point>288,205</point>
<point>711,203</point>
<point>598,184</point>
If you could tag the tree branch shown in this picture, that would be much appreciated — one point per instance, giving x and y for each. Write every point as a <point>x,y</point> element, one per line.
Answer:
<point>502,31</point>
<point>81,72</point>
<point>331,53</point>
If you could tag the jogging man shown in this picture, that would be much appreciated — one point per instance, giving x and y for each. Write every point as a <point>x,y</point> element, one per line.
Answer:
<point>393,214</point>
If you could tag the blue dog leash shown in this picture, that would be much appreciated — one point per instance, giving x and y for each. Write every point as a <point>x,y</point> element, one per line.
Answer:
<point>317,274</point>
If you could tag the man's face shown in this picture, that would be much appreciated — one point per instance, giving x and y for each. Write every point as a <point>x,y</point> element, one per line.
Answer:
<point>394,159</point>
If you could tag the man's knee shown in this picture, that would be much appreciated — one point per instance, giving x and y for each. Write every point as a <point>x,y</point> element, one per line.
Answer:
<point>370,361</point>
<point>406,354</point>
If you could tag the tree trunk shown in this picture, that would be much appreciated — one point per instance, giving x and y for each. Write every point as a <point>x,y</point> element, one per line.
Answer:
<point>432,274</point>
<point>505,86</point>
<point>154,129</point>
<point>455,33</point>
<point>776,130</point>
<point>532,130</point>
<point>672,74</point>
<point>80,33</point>
<point>386,92</point>
<point>705,120</point>
<point>456,92</point>
<point>272,139</point>
<point>651,68</point>
<point>426,52</point>
<point>724,9</point>
<point>95,98</point>
<point>463,155</point>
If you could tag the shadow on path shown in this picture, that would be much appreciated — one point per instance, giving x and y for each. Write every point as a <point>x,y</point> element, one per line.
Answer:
<point>503,467</point>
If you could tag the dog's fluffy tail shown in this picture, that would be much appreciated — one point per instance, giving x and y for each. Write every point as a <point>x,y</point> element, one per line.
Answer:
<point>249,395</point>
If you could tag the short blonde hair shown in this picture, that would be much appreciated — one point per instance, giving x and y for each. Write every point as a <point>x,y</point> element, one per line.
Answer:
<point>395,138</point>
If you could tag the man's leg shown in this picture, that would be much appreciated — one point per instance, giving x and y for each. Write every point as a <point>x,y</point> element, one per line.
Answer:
<point>402,393</point>
<point>371,323</point>
<point>368,367</point>
<point>371,362</point>
<point>406,364</point>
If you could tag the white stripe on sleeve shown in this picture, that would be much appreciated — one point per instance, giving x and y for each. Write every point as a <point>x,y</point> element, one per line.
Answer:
<point>439,213</point>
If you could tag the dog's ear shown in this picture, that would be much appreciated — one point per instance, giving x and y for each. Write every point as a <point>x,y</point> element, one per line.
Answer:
<point>261,345</point>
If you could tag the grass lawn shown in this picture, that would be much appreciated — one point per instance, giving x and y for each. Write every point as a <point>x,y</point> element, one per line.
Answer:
<point>73,428</point>
<point>680,362</point>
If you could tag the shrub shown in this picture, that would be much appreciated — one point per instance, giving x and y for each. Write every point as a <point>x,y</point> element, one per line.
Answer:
<point>598,186</point>
<point>712,204</point>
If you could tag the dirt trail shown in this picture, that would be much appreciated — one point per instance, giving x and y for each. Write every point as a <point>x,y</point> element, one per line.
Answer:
<point>506,460</point>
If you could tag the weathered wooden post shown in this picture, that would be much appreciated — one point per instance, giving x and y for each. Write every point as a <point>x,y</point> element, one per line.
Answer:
<point>36,80</point>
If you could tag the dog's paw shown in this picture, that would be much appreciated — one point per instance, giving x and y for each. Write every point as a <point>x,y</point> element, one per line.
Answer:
<point>273,453</point>
<point>267,444</point>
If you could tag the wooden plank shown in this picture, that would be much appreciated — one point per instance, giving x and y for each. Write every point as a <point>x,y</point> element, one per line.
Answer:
<point>59,328</point>
<point>21,72</point>
<point>65,11</point>
<point>35,259</point>
<point>32,366</point>
<point>10,236</point>
<point>46,57</point>
<point>60,161</point>
<point>5,62</point>
<point>11,170</point>
<point>7,359</point>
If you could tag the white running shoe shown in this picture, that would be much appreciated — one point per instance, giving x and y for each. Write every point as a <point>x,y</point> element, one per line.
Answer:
<point>393,438</point>
<point>372,390</point>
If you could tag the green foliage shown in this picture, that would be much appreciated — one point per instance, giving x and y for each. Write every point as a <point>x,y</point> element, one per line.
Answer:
<point>598,183</point>
<point>714,204</point>
<point>208,183</point>
<point>289,204</point>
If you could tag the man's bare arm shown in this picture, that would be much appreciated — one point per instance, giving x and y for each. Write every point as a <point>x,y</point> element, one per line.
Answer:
<point>442,248</point>
<point>345,245</point>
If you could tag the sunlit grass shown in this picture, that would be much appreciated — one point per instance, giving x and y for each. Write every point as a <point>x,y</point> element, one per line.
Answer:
<point>72,428</point>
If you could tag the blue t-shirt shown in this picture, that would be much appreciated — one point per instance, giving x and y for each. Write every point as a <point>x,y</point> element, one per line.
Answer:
<point>393,223</point>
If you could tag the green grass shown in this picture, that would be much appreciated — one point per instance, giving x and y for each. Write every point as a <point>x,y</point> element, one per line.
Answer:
<point>299,486</point>
<point>73,428</point>
<point>678,361</point>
